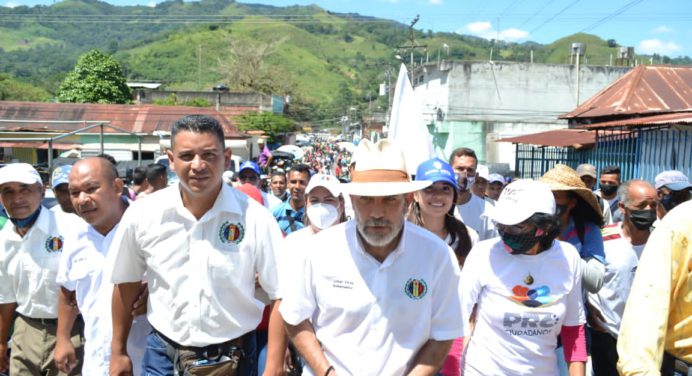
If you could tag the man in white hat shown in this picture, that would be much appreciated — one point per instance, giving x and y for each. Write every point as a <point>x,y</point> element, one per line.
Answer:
<point>30,248</point>
<point>379,295</point>
<point>673,188</point>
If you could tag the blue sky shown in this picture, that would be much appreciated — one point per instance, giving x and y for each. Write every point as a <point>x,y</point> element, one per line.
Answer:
<point>651,26</point>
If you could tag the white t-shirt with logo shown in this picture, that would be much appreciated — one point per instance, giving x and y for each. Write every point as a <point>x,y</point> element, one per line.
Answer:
<point>523,302</point>
<point>372,318</point>
<point>622,259</point>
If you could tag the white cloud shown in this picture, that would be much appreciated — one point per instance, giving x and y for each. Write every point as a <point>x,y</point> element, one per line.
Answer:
<point>651,46</point>
<point>662,29</point>
<point>152,4</point>
<point>484,29</point>
<point>11,4</point>
<point>479,27</point>
<point>513,34</point>
<point>435,2</point>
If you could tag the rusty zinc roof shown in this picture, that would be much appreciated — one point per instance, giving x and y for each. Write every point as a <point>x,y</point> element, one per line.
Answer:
<point>646,89</point>
<point>576,138</point>
<point>677,118</point>
<point>144,118</point>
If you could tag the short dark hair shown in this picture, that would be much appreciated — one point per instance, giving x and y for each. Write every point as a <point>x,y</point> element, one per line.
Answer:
<point>155,171</point>
<point>138,175</point>
<point>302,168</point>
<point>198,124</point>
<point>112,161</point>
<point>611,170</point>
<point>462,152</point>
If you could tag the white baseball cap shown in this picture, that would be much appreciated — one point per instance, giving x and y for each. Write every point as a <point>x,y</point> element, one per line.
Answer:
<point>19,173</point>
<point>496,178</point>
<point>673,180</point>
<point>520,200</point>
<point>330,182</point>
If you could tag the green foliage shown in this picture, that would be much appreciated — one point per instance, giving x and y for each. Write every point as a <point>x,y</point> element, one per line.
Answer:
<point>97,78</point>
<point>198,102</point>
<point>272,124</point>
<point>13,90</point>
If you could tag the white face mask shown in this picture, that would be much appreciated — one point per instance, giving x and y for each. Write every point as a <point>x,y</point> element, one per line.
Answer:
<point>322,215</point>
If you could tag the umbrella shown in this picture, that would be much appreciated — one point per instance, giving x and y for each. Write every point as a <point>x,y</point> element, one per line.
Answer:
<point>297,152</point>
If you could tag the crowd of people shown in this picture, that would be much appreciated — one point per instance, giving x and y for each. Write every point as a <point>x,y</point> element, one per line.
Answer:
<point>452,271</point>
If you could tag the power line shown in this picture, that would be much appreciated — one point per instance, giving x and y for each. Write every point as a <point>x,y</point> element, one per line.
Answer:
<point>563,10</point>
<point>535,13</point>
<point>611,16</point>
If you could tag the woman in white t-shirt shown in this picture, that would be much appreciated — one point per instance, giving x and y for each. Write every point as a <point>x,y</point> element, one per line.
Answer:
<point>526,287</point>
<point>433,209</point>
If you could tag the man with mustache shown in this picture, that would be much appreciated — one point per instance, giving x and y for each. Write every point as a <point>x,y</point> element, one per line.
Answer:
<point>379,295</point>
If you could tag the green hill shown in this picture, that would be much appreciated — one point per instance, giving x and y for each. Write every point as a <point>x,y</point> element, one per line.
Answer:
<point>327,62</point>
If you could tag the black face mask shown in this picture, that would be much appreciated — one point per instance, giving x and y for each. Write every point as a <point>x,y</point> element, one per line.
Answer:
<point>609,189</point>
<point>519,243</point>
<point>642,219</point>
<point>668,202</point>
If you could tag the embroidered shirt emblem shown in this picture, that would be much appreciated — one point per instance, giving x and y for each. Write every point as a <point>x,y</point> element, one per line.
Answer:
<point>54,244</point>
<point>231,232</point>
<point>416,288</point>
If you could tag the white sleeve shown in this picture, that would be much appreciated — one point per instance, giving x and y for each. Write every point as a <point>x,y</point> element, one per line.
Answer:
<point>446,323</point>
<point>593,273</point>
<point>128,260</point>
<point>299,302</point>
<point>471,285</point>
<point>574,303</point>
<point>270,244</point>
<point>65,264</point>
<point>7,291</point>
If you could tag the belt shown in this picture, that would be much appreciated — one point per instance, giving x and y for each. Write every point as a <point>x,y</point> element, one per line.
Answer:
<point>35,321</point>
<point>207,351</point>
<point>672,365</point>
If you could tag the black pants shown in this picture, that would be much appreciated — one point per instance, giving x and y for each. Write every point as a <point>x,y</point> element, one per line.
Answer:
<point>604,354</point>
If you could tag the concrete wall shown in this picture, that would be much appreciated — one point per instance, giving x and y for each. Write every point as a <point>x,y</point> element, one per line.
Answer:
<point>475,103</point>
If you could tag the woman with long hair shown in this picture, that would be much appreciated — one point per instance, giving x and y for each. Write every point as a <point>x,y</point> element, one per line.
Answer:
<point>521,290</point>
<point>433,209</point>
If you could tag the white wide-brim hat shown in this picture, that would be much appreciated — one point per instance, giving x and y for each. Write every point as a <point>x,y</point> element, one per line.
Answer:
<point>380,170</point>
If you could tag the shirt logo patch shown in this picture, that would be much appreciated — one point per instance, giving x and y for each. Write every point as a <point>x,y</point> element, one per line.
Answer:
<point>416,288</point>
<point>54,244</point>
<point>532,297</point>
<point>231,232</point>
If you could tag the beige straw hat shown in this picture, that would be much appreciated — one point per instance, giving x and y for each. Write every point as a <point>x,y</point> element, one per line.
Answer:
<point>564,178</point>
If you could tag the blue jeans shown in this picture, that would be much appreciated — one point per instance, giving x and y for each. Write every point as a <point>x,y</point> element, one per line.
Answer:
<point>157,363</point>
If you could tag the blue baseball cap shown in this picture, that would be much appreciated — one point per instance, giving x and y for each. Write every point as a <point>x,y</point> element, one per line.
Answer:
<point>249,165</point>
<point>61,175</point>
<point>435,170</point>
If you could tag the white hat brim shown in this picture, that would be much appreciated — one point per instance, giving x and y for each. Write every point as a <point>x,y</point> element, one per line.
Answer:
<point>384,188</point>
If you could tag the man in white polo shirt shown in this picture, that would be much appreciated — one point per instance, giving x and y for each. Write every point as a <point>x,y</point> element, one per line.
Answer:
<point>83,274</point>
<point>30,248</point>
<point>379,295</point>
<point>200,243</point>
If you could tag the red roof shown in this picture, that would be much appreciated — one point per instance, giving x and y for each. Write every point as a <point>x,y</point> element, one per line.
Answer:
<point>576,138</point>
<point>145,118</point>
<point>646,89</point>
<point>678,118</point>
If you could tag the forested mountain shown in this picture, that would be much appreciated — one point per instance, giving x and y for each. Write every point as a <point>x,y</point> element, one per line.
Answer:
<point>327,62</point>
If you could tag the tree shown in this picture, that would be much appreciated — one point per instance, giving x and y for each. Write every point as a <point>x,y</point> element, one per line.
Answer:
<point>246,67</point>
<point>272,124</point>
<point>96,78</point>
<point>13,90</point>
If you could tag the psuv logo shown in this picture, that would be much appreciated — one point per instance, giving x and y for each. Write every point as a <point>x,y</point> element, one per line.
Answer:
<point>529,323</point>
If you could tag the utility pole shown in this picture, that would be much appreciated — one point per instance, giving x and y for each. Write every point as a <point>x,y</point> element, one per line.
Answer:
<point>412,45</point>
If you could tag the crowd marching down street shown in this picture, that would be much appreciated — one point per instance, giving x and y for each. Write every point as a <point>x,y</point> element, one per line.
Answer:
<point>335,260</point>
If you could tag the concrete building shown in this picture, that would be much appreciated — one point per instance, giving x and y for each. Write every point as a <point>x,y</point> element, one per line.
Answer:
<point>474,103</point>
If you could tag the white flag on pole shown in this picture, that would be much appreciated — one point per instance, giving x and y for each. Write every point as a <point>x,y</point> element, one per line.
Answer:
<point>406,125</point>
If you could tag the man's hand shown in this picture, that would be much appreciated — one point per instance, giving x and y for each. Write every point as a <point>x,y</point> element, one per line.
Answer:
<point>4,358</point>
<point>64,356</point>
<point>595,318</point>
<point>120,365</point>
<point>140,306</point>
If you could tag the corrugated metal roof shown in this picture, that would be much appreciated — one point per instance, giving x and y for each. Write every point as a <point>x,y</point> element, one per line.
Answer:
<point>144,118</point>
<point>680,118</point>
<point>576,138</point>
<point>37,145</point>
<point>646,89</point>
